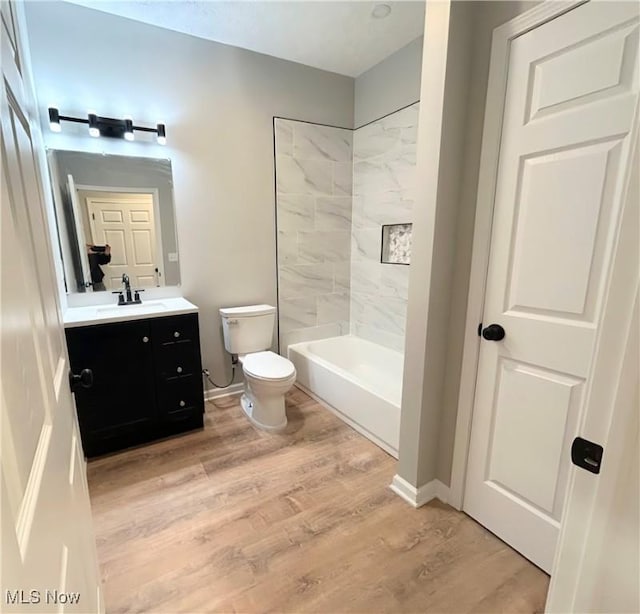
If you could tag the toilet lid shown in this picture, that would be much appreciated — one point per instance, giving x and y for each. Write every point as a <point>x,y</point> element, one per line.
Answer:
<point>267,365</point>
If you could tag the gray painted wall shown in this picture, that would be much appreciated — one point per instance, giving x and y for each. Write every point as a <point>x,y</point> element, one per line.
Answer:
<point>440,146</point>
<point>390,85</point>
<point>218,103</point>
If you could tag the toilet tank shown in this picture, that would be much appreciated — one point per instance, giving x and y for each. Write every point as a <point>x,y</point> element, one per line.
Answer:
<point>248,329</point>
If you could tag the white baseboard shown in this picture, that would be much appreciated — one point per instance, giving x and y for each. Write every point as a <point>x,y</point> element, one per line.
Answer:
<point>442,491</point>
<point>419,496</point>
<point>217,393</point>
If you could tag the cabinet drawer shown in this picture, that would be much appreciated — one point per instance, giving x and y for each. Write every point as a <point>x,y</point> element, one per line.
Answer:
<point>177,360</point>
<point>181,397</point>
<point>175,329</point>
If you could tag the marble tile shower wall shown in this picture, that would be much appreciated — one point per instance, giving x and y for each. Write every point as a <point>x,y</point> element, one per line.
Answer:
<point>384,154</point>
<point>314,166</point>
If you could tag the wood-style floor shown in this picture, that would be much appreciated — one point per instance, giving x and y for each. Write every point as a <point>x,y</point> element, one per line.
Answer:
<point>231,519</point>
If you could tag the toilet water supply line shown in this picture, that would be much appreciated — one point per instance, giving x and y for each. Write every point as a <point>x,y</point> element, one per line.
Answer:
<point>234,362</point>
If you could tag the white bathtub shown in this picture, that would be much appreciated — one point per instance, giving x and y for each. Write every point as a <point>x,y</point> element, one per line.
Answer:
<point>360,381</point>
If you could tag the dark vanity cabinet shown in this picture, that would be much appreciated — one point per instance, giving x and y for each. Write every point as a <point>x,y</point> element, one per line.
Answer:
<point>146,380</point>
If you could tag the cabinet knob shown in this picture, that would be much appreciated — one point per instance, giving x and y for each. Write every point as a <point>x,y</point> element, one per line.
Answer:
<point>145,339</point>
<point>179,369</point>
<point>176,334</point>
<point>182,403</point>
<point>84,380</point>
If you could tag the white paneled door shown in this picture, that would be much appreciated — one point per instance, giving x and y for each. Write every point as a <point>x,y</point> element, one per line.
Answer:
<point>127,223</point>
<point>48,550</point>
<point>569,123</point>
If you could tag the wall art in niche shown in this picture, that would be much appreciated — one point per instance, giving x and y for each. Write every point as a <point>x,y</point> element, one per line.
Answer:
<point>396,244</point>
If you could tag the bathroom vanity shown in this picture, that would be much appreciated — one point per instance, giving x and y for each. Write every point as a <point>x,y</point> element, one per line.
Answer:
<point>136,367</point>
<point>145,372</point>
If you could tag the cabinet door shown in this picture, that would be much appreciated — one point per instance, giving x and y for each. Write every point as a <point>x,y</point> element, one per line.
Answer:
<point>122,399</point>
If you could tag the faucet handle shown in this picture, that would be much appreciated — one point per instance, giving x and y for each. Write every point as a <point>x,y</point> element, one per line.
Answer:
<point>136,295</point>
<point>120,296</point>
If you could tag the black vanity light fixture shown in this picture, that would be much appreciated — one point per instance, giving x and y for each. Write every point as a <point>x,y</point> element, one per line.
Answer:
<point>106,126</point>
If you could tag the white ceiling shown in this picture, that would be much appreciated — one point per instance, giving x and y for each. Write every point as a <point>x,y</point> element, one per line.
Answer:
<point>339,37</point>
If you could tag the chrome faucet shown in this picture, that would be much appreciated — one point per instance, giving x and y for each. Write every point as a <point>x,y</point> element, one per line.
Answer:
<point>127,288</point>
<point>124,296</point>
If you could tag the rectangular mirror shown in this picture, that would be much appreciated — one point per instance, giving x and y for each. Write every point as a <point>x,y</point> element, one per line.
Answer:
<point>115,215</point>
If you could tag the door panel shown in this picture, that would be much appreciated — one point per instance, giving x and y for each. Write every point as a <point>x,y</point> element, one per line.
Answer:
<point>534,413</point>
<point>139,216</point>
<point>143,248</point>
<point>560,209</point>
<point>111,217</point>
<point>604,61</point>
<point>571,103</point>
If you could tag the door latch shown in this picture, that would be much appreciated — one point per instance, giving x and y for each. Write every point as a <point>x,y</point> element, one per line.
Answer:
<point>586,454</point>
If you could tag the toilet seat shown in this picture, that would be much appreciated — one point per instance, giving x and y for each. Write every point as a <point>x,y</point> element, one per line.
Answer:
<point>268,366</point>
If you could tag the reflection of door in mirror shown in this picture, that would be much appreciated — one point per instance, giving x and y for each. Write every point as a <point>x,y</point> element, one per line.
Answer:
<point>127,222</point>
<point>81,236</point>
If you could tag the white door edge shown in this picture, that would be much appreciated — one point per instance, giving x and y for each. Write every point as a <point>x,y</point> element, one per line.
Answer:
<point>79,229</point>
<point>576,567</point>
<point>489,158</point>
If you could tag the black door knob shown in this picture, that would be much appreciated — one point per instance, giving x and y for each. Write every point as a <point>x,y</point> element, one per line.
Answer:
<point>84,380</point>
<point>493,332</point>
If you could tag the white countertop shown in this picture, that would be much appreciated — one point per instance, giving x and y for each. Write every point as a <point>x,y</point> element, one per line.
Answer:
<point>104,314</point>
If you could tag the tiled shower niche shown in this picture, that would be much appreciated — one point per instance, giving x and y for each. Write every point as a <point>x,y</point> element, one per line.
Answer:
<point>396,244</point>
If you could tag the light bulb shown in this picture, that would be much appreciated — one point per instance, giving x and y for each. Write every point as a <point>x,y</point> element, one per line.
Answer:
<point>54,120</point>
<point>128,130</point>
<point>162,134</point>
<point>93,125</point>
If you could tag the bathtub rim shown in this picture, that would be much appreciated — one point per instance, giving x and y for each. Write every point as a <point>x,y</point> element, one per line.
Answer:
<point>343,372</point>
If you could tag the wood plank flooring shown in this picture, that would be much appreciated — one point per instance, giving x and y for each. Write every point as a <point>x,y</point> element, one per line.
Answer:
<point>231,519</point>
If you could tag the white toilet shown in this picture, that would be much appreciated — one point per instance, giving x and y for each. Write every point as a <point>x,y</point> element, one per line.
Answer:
<point>248,332</point>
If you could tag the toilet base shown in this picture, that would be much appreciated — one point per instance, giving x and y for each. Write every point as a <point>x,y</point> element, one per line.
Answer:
<point>262,415</point>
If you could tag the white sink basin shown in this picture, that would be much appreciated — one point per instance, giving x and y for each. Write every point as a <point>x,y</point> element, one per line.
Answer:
<point>148,307</point>
<point>103,314</point>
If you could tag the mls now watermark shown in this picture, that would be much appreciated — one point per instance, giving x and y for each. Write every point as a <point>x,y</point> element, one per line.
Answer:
<point>33,597</point>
